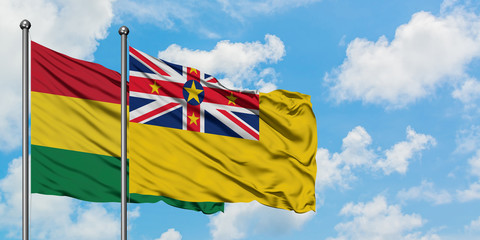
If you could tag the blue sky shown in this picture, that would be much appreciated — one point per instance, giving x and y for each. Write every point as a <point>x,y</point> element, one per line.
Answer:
<point>395,89</point>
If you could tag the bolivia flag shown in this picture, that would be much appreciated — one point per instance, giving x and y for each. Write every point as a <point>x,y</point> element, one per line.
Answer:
<point>75,131</point>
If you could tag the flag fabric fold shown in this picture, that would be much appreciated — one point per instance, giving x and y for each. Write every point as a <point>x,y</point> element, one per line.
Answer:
<point>192,139</point>
<point>75,131</point>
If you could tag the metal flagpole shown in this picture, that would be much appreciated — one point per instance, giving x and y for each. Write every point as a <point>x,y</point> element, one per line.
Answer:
<point>123,31</point>
<point>25,26</point>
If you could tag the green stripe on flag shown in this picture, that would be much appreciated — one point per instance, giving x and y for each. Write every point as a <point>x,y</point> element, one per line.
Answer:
<point>91,177</point>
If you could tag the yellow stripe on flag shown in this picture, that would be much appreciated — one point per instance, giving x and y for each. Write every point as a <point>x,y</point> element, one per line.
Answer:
<point>278,170</point>
<point>75,124</point>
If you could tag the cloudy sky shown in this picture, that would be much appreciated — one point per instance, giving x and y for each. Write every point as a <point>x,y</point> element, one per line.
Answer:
<point>395,88</point>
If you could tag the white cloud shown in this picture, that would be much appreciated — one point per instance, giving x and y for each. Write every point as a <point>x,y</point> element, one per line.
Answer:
<point>170,13</point>
<point>265,87</point>
<point>167,14</point>
<point>10,126</point>
<point>397,157</point>
<point>426,52</point>
<point>163,13</point>
<point>474,163</point>
<point>331,171</point>
<point>378,220</point>
<point>425,192</point>
<point>239,63</point>
<point>420,236</point>
<point>447,5</point>
<point>91,222</point>
<point>268,78</point>
<point>242,9</point>
<point>473,192</point>
<point>337,168</point>
<point>243,219</point>
<point>474,226</point>
<point>132,214</point>
<point>342,43</point>
<point>470,194</point>
<point>53,217</point>
<point>11,198</point>
<point>354,146</point>
<point>468,140</point>
<point>72,27</point>
<point>468,93</point>
<point>170,234</point>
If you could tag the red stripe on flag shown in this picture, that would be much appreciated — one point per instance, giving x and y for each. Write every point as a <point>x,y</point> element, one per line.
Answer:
<point>240,124</point>
<point>220,96</point>
<point>142,85</point>
<point>59,74</point>
<point>148,62</point>
<point>213,80</point>
<point>155,112</point>
<point>212,95</point>
<point>193,117</point>
<point>193,74</point>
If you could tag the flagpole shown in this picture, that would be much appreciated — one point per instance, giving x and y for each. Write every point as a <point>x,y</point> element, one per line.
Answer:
<point>123,31</point>
<point>25,26</point>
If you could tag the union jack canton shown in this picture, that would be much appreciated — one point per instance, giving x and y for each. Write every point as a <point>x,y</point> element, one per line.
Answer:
<point>169,95</point>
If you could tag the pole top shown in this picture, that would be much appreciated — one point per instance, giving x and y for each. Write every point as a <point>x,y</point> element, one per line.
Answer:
<point>25,24</point>
<point>123,30</point>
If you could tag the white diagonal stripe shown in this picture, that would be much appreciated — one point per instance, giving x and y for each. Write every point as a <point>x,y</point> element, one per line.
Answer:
<point>213,106</point>
<point>237,129</point>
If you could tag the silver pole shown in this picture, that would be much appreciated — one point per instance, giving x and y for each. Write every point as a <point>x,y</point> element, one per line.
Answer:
<point>25,26</point>
<point>123,31</point>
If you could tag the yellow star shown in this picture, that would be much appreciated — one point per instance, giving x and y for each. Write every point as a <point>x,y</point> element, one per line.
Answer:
<point>193,119</point>
<point>155,87</point>
<point>193,92</point>
<point>231,99</point>
<point>193,70</point>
